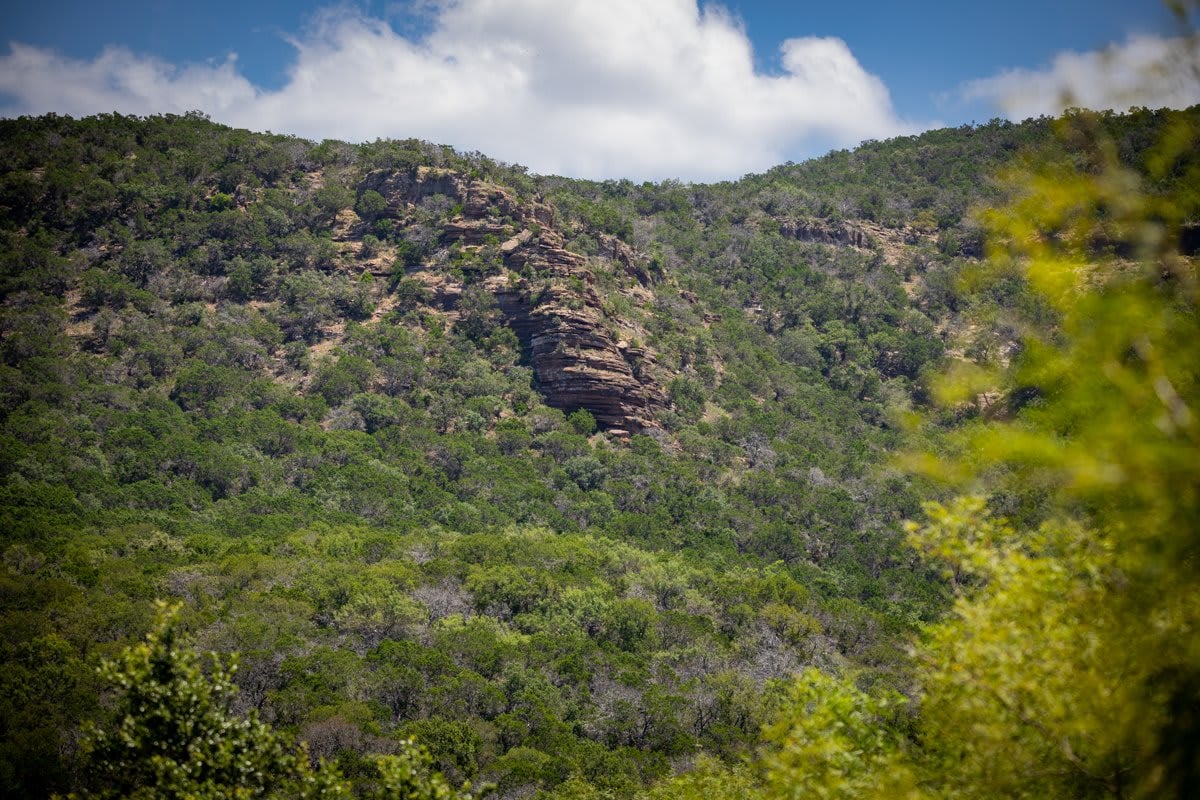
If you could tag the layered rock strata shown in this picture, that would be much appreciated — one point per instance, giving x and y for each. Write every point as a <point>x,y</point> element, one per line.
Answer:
<point>554,309</point>
<point>823,231</point>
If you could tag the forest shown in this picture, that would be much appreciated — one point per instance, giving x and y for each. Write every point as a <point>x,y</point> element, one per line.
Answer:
<point>386,470</point>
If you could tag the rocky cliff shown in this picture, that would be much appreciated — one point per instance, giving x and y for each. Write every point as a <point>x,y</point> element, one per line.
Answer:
<point>554,307</point>
<point>824,231</point>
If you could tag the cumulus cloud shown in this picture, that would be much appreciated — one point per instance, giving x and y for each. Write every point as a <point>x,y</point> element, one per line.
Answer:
<point>117,80</point>
<point>1144,71</point>
<point>624,88</point>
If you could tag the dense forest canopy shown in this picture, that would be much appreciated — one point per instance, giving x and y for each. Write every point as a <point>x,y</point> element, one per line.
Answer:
<point>585,490</point>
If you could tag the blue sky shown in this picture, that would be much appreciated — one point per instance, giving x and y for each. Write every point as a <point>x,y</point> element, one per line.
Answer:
<point>924,50</point>
<point>595,88</point>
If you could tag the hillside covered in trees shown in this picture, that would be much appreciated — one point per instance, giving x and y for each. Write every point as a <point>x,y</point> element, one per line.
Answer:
<point>600,490</point>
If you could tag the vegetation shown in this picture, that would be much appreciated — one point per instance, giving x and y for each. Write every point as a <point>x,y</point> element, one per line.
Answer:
<point>228,382</point>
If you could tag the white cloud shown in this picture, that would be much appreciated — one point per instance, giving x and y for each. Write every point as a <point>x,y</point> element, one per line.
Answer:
<point>117,80</point>
<point>623,88</point>
<point>1144,71</point>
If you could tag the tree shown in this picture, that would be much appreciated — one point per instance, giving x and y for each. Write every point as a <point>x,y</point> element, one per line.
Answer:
<point>834,741</point>
<point>172,734</point>
<point>332,198</point>
<point>371,205</point>
<point>480,313</point>
<point>583,421</point>
<point>409,776</point>
<point>1069,665</point>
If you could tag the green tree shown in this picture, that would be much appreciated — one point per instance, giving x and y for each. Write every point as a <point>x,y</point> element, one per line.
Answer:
<point>832,740</point>
<point>338,381</point>
<point>332,198</point>
<point>1069,666</point>
<point>583,421</point>
<point>480,313</point>
<point>409,776</point>
<point>172,733</point>
<point>371,205</point>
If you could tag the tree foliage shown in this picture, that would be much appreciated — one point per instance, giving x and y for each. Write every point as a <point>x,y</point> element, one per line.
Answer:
<point>219,385</point>
<point>1068,666</point>
<point>173,734</point>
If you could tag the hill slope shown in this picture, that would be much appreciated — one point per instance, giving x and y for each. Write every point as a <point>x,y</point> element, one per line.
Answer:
<point>561,478</point>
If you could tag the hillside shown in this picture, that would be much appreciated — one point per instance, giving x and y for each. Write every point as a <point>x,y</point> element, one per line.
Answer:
<point>565,480</point>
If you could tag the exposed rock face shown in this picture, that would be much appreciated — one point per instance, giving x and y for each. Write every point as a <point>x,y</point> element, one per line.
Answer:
<point>479,200</point>
<point>577,362</point>
<point>614,249</point>
<point>554,310</point>
<point>824,231</point>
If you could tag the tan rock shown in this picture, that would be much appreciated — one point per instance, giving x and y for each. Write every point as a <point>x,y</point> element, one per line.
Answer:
<point>576,362</point>
<point>512,244</point>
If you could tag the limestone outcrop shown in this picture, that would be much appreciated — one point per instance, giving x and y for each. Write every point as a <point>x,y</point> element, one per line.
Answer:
<point>577,362</point>
<point>823,231</point>
<point>554,308</point>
